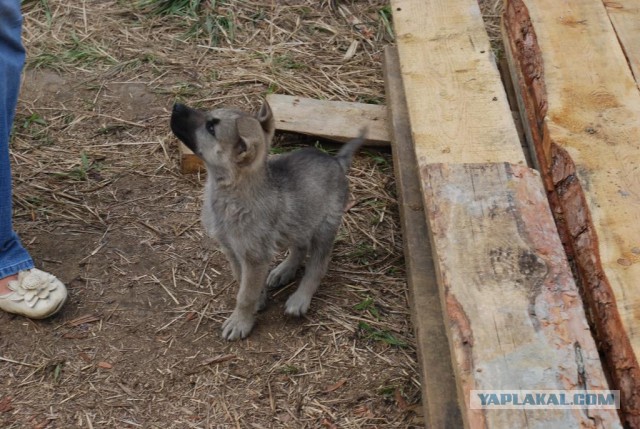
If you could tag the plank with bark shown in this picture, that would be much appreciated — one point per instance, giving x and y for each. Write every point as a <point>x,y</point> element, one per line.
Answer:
<point>582,117</point>
<point>514,313</point>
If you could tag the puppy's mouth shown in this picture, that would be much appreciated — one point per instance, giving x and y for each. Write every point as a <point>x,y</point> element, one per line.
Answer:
<point>184,122</point>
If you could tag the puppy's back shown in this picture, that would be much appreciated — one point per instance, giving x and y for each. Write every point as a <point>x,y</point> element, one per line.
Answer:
<point>311,184</point>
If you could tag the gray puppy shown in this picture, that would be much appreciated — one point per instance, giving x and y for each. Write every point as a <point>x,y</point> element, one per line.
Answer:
<point>255,205</point>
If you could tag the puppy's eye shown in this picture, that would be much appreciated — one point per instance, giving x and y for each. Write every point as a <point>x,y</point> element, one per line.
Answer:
<point>211,126</point>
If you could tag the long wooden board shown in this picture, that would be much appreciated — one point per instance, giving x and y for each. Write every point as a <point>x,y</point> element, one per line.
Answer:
<point>516,319</point>
<point>625,16</point>
<point>456,101</point>
<point>439,394</point>
<point>583,119</point>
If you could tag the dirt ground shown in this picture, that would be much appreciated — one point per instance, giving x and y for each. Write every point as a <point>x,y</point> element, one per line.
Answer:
<point>100,202</point>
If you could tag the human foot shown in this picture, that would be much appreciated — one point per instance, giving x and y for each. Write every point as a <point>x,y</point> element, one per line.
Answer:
<point>4,284</point>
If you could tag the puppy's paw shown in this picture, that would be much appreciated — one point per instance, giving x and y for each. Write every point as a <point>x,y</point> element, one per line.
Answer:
<point>280,276</point>
<point>297,304</point>
<point>237,326</point>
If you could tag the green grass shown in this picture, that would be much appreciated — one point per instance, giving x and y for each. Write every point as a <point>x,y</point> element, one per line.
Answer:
<point>81,172</point>
<point>387,391</point>
<point>43,5</point>
<point>213,27</point>
<point>172,7</point>
<point>289,370</point>
<point>182,90</point>
<point>277,150</point>
<point>363,254</point>
<point>370,99</point>
<point>75,52</point>
<point>377,158</point>
<point>206,21</point>
<point>387,18</point>
<point>135,63</point>
<point>57,372</point>
<point>33,119</point>
<point>371,333</point>
<point>368,305</point>
<point>272,89</point>
<point>287,62</point>
<point>35,127</point>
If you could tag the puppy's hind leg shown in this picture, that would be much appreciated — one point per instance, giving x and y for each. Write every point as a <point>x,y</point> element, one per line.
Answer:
<point>286,271</point>
<point>241,321</point>
<point>319,255</point>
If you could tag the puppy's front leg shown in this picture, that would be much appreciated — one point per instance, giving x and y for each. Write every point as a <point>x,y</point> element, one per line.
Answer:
<point>236,269</point>
<point>239,324</point>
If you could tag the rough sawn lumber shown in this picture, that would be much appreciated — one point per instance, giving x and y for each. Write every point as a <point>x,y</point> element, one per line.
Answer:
<point>457,105</point>
<point>515,315</point>
<point>625,16</point>
<point>439,393</point>
<point>582,111</point>
<point>334,120</point>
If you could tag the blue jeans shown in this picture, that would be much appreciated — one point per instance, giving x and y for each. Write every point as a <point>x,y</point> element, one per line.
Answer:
<point>13,257</point>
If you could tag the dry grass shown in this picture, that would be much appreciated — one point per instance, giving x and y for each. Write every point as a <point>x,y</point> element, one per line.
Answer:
<point>492,13</point>
<point>99,201</point>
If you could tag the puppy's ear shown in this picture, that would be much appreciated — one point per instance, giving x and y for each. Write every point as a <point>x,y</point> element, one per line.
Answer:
<point>251,146</point>
<point>268,124</point>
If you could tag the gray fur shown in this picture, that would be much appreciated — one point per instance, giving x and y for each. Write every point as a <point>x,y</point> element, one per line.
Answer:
<point>255,205</point>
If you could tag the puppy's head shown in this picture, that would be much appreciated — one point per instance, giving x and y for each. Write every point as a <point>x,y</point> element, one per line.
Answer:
<point>230,142</point>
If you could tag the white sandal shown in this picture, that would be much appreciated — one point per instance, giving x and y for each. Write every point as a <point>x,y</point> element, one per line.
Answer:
<point>35,294</point>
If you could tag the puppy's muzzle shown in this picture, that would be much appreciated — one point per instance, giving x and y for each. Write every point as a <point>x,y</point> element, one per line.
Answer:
<point>184,122</point>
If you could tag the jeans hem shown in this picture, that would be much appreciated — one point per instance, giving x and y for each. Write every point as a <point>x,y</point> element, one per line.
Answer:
<point>16,268</point>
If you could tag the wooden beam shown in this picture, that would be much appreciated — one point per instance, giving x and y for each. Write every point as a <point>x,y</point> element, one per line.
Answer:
<point>625,16</point>
<point>514,313</point>
<point>334,120</point>
<point>456,101</point>
<point>189,162</point>
<point>582,111</point>
<point>439,393</point>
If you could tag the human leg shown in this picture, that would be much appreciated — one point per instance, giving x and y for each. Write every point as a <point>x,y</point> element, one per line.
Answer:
<point>23,289</point>
<point>13,257</point>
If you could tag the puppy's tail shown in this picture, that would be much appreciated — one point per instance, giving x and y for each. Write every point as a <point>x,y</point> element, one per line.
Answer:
<point>345,155</point>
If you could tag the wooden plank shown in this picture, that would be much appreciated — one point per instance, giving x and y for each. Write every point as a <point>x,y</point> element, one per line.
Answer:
<point>456,101</point>
<point>625,16</point>
<point>189,162</point>
<point>510,90</point>
<point>439,394</point>
<point>514,313</point>
<point>582,111</point>
<point>334,120</point>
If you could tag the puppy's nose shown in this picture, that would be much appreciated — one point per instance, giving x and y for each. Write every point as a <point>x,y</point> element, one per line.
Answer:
<point>180,108</point>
